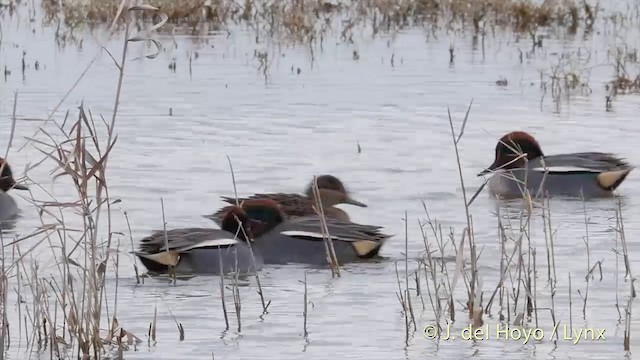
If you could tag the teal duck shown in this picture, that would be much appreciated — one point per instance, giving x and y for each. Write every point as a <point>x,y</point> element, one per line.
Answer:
<point>332,192</point>
<point>200,250</point>
<point>519,157</point>
<point>281,240</point>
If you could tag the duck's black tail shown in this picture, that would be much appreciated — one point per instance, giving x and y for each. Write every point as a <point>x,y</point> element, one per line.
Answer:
<point>153,266</point>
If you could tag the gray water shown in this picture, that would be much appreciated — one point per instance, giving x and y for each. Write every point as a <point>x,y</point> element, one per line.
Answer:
<point>175,130</point>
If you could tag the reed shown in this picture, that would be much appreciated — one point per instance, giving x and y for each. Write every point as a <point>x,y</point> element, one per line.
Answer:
<point>332,259</point>
<point>265,306</point>
<point>305,308</point>
<point>68,308</point>
<point>309,22</point>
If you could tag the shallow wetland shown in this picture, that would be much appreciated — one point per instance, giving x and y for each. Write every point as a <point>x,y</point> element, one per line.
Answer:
<point>289,89</point>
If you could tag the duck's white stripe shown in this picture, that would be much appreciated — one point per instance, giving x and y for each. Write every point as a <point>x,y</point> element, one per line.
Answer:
<point>564,169</point>
<point>212,242</point>
<point>313,235</point>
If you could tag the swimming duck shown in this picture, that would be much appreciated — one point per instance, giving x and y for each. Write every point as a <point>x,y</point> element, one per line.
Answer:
<point>592,174</point>
<point>332,192</point>
<point>199,250</point>
<point>8,207</point>
<point>282,240</point>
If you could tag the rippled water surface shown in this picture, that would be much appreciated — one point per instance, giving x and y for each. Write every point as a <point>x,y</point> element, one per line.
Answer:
<point>175,130</point>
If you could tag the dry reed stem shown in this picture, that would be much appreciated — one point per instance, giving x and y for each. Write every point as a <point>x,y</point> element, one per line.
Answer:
<point>222,287</point>
<point>474,289</point>
<point>305,311</point>
<point>430,267</point>
<point>332,259</point>
<point>82,158</point>
<point>265,306</point>
<point>236,295</point>
<point>628,275</point>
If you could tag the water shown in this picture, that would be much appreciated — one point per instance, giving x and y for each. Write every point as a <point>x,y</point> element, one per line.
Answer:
<point>175,130</point>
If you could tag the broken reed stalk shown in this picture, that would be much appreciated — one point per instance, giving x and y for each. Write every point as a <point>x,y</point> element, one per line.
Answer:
<point>503,257</point>
<point>616,251</point>
<point>434,299</point>
<point>409,315</point>
<point>628,274</point>
<point>472,294</point>
<point>404,295</point>
<point>552,233</point>
<point>570,306</point>
<point>233,181</point>
<point>403,304</point>
<point>305,311</point>
<point>522,272</point>
<point>171,271</point>
<point>586,242</point>
<point>416,277</point>
<point>328,241</point>
<point>236,294</point>
<point>135,258</point>
<point>406,270</point>
<point>153,326</point>
<point>265,306</point>
<point>549,235</point>
<point>224,305</point>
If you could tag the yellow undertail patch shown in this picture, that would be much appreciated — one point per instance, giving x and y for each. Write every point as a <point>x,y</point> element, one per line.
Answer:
<point>168,258</point>
<point>611,179</point>
<point>364,247</point>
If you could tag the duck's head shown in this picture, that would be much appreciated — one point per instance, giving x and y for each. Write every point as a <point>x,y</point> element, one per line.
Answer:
<point>332,191</point>
<point>7,182</point>
<point>236,217</point>
<point>266,212</point>
<point>512,149</point>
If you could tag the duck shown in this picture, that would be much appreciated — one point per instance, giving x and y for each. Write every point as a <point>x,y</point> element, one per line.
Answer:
<point>282,240</point>
<point>332,192</point>
<point>200,250</point>
<point>8,206</point>
<point>580,174</point>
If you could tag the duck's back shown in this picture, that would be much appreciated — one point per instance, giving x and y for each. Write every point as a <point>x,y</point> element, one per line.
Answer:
<point>588,174</point>
<point>292,204</point>
<point>584,161</point>
<point>300,240</point>
<point>200,250</point>
<point>183,239</point>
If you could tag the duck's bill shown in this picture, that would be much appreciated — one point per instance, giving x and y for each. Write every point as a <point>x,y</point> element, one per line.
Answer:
<point>354,202</point>
<point>209,216</point>
<point>20,187</point>
<point>488,170</point>
<point>484,172</point>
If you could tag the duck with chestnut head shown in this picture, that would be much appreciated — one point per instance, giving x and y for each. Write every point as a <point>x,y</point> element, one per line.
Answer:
<point>8,207</point>
<point>519,160</point>
<point>283,240</point>
<point>332,192</point>
<point>203,250</point>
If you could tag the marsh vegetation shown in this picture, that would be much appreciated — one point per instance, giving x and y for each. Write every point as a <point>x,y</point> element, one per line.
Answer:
<point>71,289</point>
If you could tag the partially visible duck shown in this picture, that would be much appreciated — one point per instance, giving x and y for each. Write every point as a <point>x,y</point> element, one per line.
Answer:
<point>8,207</point>
<point>332,192</point>
<point>199,250</point>
<point>299,240</point>
<point>592,174</point>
